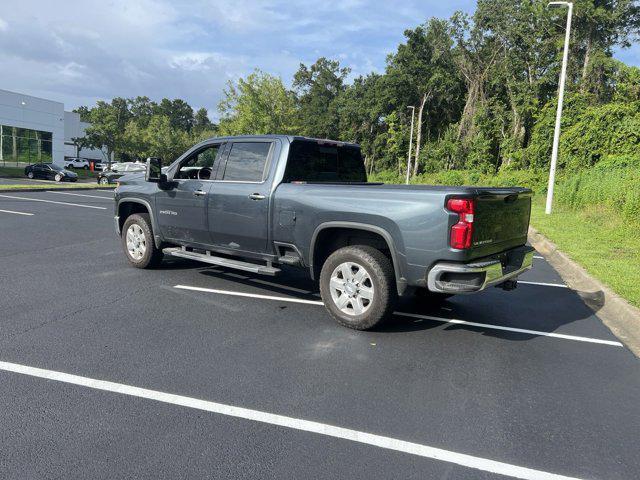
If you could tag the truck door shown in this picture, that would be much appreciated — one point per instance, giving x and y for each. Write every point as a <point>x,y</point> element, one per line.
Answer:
<point>182,209</point>
<point>238,202</point>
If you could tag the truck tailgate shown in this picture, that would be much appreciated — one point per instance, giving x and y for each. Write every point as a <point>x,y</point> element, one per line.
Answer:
<point>501,219</point>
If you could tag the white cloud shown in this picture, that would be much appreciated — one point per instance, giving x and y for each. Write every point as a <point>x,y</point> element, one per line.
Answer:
<point>79,51</point>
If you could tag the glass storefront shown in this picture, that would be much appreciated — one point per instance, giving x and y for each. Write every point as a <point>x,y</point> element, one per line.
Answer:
<point>22,146</point>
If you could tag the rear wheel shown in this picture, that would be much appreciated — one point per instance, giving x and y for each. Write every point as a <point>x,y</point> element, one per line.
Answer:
<point>137,241</point>
<point>104,181</point>
<point>357,284</point>
<point>30,174</point>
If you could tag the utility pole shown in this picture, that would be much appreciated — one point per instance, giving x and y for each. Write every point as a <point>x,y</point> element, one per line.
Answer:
<point>563,76</point>
<point>413,114</point>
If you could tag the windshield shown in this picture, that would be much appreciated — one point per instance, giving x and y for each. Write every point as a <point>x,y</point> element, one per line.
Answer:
<point>318,162</point>
<point>57,168</point>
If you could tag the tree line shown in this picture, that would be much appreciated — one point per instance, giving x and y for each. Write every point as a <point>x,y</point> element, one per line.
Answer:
<point>483,88</point>
<point>136,128</point>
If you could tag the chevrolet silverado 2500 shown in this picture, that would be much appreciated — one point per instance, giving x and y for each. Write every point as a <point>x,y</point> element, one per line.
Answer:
<point>256,203</point>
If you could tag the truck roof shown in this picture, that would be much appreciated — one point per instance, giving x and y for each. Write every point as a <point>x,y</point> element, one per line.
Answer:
<point>289,138</point>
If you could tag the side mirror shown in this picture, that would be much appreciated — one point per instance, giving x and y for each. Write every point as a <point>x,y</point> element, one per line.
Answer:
<point>154,171</point>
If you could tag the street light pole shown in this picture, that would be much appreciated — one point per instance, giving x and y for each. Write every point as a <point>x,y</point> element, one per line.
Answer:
<point>556,131</point>
<point>413,114</point>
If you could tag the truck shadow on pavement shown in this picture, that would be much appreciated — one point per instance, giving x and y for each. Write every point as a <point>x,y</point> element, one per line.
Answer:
<point>530,307</point>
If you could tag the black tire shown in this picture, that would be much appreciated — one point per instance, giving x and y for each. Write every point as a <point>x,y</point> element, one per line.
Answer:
<point>86,167</point>
<point>30,175</point>
<point>152,255</point>
<point>382,278</point>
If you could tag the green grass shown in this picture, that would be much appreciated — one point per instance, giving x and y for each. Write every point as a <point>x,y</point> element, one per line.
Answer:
<point>599,239</point>
<point>11,172</point>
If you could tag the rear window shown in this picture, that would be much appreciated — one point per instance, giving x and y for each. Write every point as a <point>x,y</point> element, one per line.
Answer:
<point>246,162</point>
<point>324,163</point>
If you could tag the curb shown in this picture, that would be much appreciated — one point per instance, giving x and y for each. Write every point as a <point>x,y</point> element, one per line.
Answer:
<point>622,318</point>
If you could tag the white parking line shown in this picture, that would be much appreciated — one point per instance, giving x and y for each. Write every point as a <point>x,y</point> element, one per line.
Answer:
<point>17,213</point>
<point>252,295</point>
<point>81,195</point>
<point>380,441</point>
<point>413,315</point>
<point>511,329</point>
<point>559,285</point>
<point>538,256</point>
<point>52,201</point>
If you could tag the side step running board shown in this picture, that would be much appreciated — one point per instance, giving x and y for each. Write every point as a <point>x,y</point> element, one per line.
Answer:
<point>221,261</point>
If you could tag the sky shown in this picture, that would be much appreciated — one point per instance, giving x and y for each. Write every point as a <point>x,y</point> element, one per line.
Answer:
<point>80,51</point>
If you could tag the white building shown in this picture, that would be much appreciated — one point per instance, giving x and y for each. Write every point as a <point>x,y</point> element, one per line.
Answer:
<point>36,130</point>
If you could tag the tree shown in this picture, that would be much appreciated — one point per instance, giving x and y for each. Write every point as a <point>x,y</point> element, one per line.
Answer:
<point>361,112</point>
<point>423,73</point>
<point>81,143</point>
<point>84,113</point>
<point>601,25</point>
<point>142,109</point>
<point>108,123</point>
<point>201,121</point>
<point>524,76</point>
<point>179,113</point>
<point>259,104</point>
<point>163,140</point>
<point>317,88</point>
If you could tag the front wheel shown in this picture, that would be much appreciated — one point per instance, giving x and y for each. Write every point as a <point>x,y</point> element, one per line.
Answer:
<point>104,181</point>
<point>358,287</point>
<point>58,177</point>
<point>137,241</point>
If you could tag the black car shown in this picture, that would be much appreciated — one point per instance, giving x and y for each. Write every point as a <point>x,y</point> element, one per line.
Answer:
<point>118,170</point>
<point>50,171</point>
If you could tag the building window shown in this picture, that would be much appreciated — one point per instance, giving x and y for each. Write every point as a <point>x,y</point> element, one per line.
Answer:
<point>23,146</point>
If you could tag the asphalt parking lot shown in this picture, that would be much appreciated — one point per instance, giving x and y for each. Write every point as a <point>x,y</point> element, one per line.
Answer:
<point>189,371</point>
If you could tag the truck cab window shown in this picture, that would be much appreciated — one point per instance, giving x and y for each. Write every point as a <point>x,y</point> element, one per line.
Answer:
<point>247,161</point>
<point>199,165</point>
<point>317,162</point>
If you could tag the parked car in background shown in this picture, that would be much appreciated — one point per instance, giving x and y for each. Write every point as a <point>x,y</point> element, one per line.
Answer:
<point>83,163</point>
<point>50,171</point>
<point>75,162</point>
<point>118,170</point>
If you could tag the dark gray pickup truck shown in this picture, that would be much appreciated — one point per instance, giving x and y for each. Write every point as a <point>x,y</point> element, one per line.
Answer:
<point>255,203</point>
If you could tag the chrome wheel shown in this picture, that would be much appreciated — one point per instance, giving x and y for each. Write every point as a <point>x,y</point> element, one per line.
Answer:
<point>351,288</point>
<point>136,242</point>
<point>30,175</point>
<point>58,177</point>
<point>104,181</point>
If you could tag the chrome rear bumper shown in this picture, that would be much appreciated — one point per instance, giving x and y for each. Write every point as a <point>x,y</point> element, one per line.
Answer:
<point>450,277</point>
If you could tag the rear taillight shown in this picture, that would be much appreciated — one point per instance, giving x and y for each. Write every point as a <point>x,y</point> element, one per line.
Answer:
<point>462,232</point>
